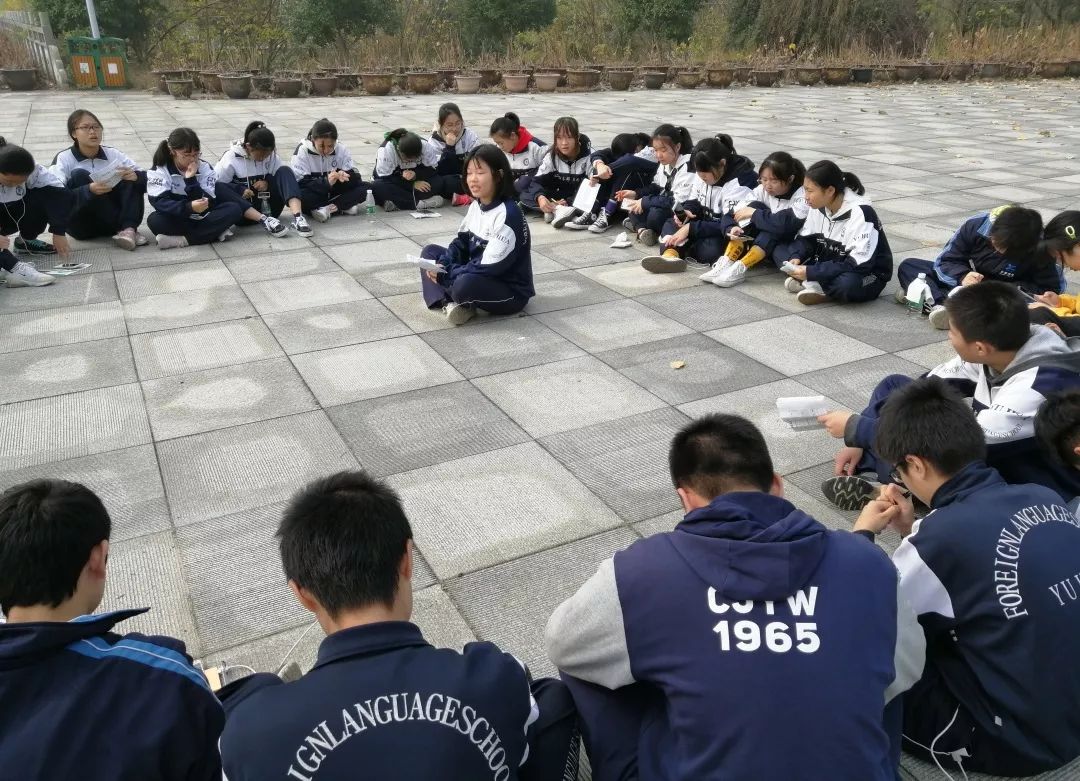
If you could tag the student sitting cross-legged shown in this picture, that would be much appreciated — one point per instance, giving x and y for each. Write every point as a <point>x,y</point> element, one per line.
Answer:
<point>79,699</point>
<point>696,653</point>
<point>328,179</point>
<point>1061,245</point>
<point>1057,425</point>
<point>1005,365</point>
<point>991,572</point>
<point>489,265</point>
<point>380,702</point>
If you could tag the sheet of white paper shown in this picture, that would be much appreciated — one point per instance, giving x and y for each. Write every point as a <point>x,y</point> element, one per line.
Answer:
<point>801,412</point>
<point>108,174</point>
<point>585,199</point>
<point>424,263</point>
<point>424,215</point>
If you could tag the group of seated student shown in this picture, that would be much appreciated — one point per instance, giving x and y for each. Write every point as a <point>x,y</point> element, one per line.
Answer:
<point>693,653</point>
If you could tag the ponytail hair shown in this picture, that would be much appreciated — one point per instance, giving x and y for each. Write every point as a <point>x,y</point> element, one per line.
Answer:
<point>15,160</point>
<point>407,144</point>
<point>784,167</point>
<point>675,136</point>
<point>258,136</point>
<point>713,155</point>
<point>726,140</point>
<point>1061,234</point>
<point>447,110</point>
<point>183,138</point>
<point>629,143</point>
<point>826,174</point>
<point>505,125</point>
<point>323,128</point>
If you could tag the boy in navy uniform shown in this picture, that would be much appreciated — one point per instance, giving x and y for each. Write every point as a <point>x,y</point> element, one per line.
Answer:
<point>993,572</point>
<point>78,700</point>
<point>749,643</point>
<point>380,701</point>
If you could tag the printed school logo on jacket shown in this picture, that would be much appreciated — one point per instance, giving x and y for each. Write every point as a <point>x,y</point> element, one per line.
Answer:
<point>307,161</point>
<point>238,165</point>
<point>494,240</point>
<point>851,235</point>
<point>67,161</point>
<point>39,177</point>
<point>994,573</point>
<point>166,184</point>
<point>380,699</point>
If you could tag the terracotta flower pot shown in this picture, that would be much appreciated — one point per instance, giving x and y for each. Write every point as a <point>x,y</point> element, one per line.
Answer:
<point>992,70</point>
<point>422,82</point>
<point>467,84</point>
<point>348,81</point>
<point>288,87</point>
<point>836,77</point>
<point>211,82</point>
<point>446,77</point>
<point>516,82</point>
<point>808,76</point>
<point>719,77</point>
<point>620,80</point>
<point>742,74</point>
<point>885,73</point>
<point>547,82</point>
<point>323,86</point>
<point>688,79</point>
<point>236,86</point>
<point>23,78</point>
<point>958,71</point>
<point>862,75</point>
<point>489,77</point>
<point>180,88</point>
<point>592,78</point>
<point>654,79</point>
<point>580,78</point>
<point>934,71</point>
<point>1053,70</point>
<point>765,78</point>
<point>262,83</point>
<point>378,83</point>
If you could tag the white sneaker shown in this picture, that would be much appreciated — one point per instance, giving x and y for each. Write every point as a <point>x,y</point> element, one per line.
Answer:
<point>459,314</point>
<point>716,269</point>
<point>225,235</point>
<point>434,202</point>
<point>125,239</point>
<point>939,318</point>
<point>300,225</point>
<point>563,215</point>
<point>171,242</point>
<point>352,211</point>
<point>322,214</point>
<point>600,224</point>
<point>581,222</point>
<point>731,276</point>
<point>140,240</point>
<point>25,275</point>
<point>792,285</point>
<point>274,226</point>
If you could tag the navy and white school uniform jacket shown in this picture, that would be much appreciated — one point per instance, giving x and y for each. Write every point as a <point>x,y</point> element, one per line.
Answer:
<point>309,164</point>
<point>381,703</point>
<point>715,202</point>
<point>559,178</point>
<point>57,203</point>
<point>493,240</point>
<point>170,193</point>
<point>388,165</point>
<point>970,250</point>
<point>1005,405</point>
<point>237,167</point>
<point>527,156</point>
<point>82,702</point>
<point>70,160</point>
<point>993,572</point>
<point>454,156</point>
<point>775,643</point>
<point>782,216</point>
<point>670,185</point>
<point>851,239</point>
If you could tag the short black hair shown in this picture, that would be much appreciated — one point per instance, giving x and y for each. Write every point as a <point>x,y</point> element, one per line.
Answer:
<point>47,530</point>
<point>992,312</point>
<point>1057,425</point>
<point>1018,230</point>
<point>493,157</point>
<point>342,539</point>
<point>720,453</point>
<point>928,419</point>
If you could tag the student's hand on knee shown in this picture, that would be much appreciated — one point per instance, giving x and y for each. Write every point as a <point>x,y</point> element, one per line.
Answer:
<point>835,422</point>
<point>678,237</point>
<point>200,205</point>
<point>1049,299</point>
<point>422,187</point>
<point>100,188</point>
<point>63,247</point>
<point>799,273</point>
<point>545,204</point>
<point>743,214</point>
<point>847,460</point>
<point>635,207</point>
<point>623,194</point>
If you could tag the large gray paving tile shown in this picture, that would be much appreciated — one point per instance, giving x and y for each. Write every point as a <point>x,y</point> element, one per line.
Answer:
<point>931,355</point>
<point>410,309</point>
<point>183,310</point>
<point>852,383</point>
<point>227,396</point>
<point>624,462</point>
<point>69,291</point>
<point>882,323</point>
<point>297,263</point>
<point>254,240</point>
<point>510,604</point>
<point>374,257</point>
<point>141,282</point>
<point>365,371</point>
<point>285,295</point>
<point>51,371</point>
<point>72,425</point>
<point>793,345</point>
<point>167,353</point>
<point>461,526</point>
<point>151,256</point>
<point>708,368</point>
<point>127,481</point>
<point>706,307</point>
<point>612,325</point>
<point>630,279</point>
<point>500,346</point>
<point>567,289</point>
<point>68,325</point>
<point>235,469</point>
<point>589,251</point>
<point>420,428</point>
<point>566,395</point>
<point>661,523</point>
<point>337,325</point>
<point>347,231</point>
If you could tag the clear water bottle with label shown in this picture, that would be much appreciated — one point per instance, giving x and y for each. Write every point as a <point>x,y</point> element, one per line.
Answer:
<point>264,202</point>
<point>369,204</point>
<point>918,294</point>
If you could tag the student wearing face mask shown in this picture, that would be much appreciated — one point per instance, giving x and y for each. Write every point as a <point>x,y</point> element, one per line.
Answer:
<point>328,179</point>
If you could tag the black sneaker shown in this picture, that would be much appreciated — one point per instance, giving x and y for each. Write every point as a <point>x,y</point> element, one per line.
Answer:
<point>581,222</point>
<point>34,246</point>
<point>849,492</point>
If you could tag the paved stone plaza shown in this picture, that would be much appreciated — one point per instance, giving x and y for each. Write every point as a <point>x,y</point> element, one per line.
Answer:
<point>196,389</point>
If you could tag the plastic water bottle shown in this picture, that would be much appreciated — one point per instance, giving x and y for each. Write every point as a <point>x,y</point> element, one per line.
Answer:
<point>264,203</point>
<point>369,204</point>
<point>918,293</point>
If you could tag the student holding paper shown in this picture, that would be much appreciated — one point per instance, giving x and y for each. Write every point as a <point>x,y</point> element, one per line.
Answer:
<point>108,185</point>
<point>489,265</point>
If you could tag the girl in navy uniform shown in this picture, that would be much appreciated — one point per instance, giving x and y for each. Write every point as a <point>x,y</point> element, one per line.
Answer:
<point>651,206</point>
<point>405,173</point>
<point>841,253</point>
<point>628,164</point>
<point>30,196</point>
<point>252,170</point>
<point>328,179</point>
<point>565,166</point>
<point>185,195</point>
<point>722,179</point>
<point>454,142</point>
<point>773,213</point>
<point>523,151</point>
<point>101,208</point>
<point>489,265</point>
